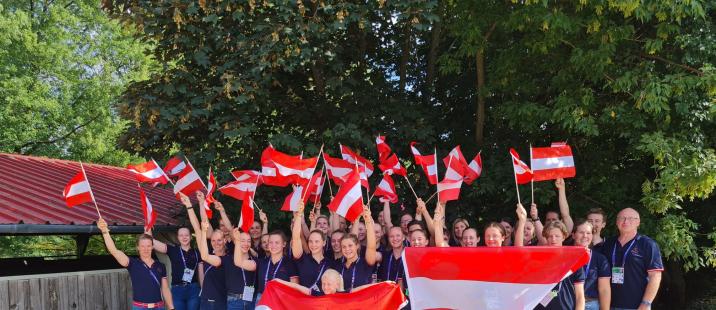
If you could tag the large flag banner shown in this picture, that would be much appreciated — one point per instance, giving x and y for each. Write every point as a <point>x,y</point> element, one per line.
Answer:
<point>384,295</point>
<point>474,169</point>
<point>549,163</point>
<point>189,181</point>
<point>386,190</point>
<point>338,169</point>
<point>487,278</point>
<point>391,165</point>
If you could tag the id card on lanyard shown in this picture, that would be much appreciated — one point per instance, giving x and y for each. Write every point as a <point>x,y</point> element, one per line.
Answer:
<point>551,295</point>
<point>188,275</point>
<point>618,272</point>
<point>248,294</point>
<point>268,269</point>
<point>353,278</point>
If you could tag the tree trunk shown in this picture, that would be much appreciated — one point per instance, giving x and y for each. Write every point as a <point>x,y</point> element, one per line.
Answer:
<point>433,54</point>
<point>404,56</point>
<point>480,114</point>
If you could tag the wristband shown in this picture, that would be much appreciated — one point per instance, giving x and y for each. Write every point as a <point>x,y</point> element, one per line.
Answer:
<point>646,303</point>
<point>536,220</point>
<point>189,208</point>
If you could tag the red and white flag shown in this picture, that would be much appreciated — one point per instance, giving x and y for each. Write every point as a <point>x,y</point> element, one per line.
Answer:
<point>473,170</point>
<point>291,202</point>
<point>77,191</point>
<point>149,172</point>
<point>150,216</point>
<point>383,148</point>
<point>455,165</point>
<point>428,162</point>
<point>391,165</point>
<point>523,173</point>
<point>348,202</point>
<point>338,169</point>
<point>386,190</point>
<point>487,278</point>
<point>174,166</point>
<point>245,184</point>
<point>280,169</point>
<point>189,181</point>
<point>315,188</point>
<point>247,213</point>
<point>449,190</point>
<point>211,181</point>
<point>549,163</point>
<point>384,295</point>
<point>353,158</point>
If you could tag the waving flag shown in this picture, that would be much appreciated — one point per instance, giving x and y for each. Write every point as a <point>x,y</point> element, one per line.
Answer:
<point>384,295</point>
<point>290,204</point>
<point>504,278</point>
<point>315,189</point>
<point>348,202</point>
<point>338,169</point>
<point>210,189</point>
<point>391,165</point>
<point>549,163</point>
<point>189,181</point>
<point>149,172</point>
<point>523,174</point>
<point>247,213</point>
<point>77,191</point>
<point>245,184</point>
<point>429,164</point>
<point>474,169</point>
<point>150,216</point>
<point>280,169</point>
<point>353,158</point>
<point>174,166</point>
<point>386,190</point>
<point>455,164</point>
<point>383,148</point>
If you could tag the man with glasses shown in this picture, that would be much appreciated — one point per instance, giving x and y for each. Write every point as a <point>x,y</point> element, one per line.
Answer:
<point>636,264</point>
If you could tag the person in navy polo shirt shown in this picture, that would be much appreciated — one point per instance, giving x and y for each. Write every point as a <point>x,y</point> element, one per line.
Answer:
<point>313,264</point>
<point>148,276</point>
<point>355,270</point>
<point>213,288</point>
<point>598,219</point>
<point>568,294</point>
<point>276,265</point>
<point>636,264</point>
<point>240,273</point>
<point>597,290</point>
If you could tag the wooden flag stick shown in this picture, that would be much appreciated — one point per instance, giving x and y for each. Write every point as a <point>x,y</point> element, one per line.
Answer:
<point>90,190</point>
<point>411,186</point>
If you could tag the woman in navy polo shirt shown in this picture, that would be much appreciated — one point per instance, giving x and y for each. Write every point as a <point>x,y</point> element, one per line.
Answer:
<point>240,273</point>
<point>597,286</point>
<point>313,264</point>
<point>213,288</point>
<point>276,265</point>
<point>149,277</point>
<point>569,293</point>
<point>355,270</point>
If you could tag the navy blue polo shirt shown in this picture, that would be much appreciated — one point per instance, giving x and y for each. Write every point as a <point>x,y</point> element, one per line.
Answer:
<point>146,280</point>
<point>284,269</point>
<point>644,256</point>
<point>320,293</point>
<point>565,292</point>
<point>236,278</point>
<point>357,274</point>
<point>181,259</point>
<point>214,287</point>
<point>310,270</point>
<point>390,269</point>
<point>597,267</point>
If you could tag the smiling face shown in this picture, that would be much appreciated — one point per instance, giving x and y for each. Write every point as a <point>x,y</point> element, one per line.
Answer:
<point>184,236</point>
<point>217,241</point>
<point>550,217</point>
<point>331,282</point>
<point>361,231</point>
<point>628,221</point>
<point>404,221</point>
<point>458,228</point>
<point>336,241</point>
<point>322,224</point>
<point>349,247</point>
<point>396,237</point>
<point>508,227</point>
<point>470,238</point>
<point>598,222</point>
<point>316,243</point>
<point>583,235</point>
<point>276,244</point>
<point>418,239</point>
<point>494,237</point>
<point>264,243</point>
<point>244,242</point>
<point>529,231</point>
<point>255,230</point>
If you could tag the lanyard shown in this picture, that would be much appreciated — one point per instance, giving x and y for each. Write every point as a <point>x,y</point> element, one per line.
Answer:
<point>181,251</point>
<point>390,265</point>
<point>626,254</point>
<point>268,269</point>
<point>320,273</point>
<point>589,263</point>
<point>353,278</point>
<point>243,274</point>
<point>151,273</point>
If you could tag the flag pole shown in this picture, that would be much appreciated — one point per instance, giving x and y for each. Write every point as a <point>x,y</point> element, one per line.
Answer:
<point>90,190</point>
<point>256,187</point>
<point>410,185</point>
<point>328,179</point>
<point>515,175</point>
<point>437,174</point>
<point>192,168</point>
<point>361,184</point>
<point>431,197</point>
<point>163,173</point>
<point>323,185</point>
<point>303,192</point>
<point>532,181</point>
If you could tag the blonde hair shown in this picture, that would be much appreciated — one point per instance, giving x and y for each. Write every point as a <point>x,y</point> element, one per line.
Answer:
<point>330,273</point>
<point>555,225</point>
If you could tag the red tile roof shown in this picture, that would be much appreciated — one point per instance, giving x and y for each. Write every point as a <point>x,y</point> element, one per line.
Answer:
<point>31,193</point>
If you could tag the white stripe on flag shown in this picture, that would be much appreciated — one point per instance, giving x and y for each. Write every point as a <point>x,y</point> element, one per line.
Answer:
<point>349,199</point>
<point>552,163</point>
<point>464,294</point>
<point>433,169</point>
<point>78,188</point>
<point>449,184</point>
<point>286,171</point>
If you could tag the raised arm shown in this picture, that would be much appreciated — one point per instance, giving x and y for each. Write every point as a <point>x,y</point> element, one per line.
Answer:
<point>296,242</point>
<point>520,230</point>
<point>534,214</point>
<point>386,215</point>
<point>239,261</point>
<point>563,205</point>
<point>158,245</point>
<point>312,219</point>
<point>295,286</point>
<point>370,246</point>
<point>121,258</point>
<point>264,222</point>
<point>204,248</point>
<point>224,218</point>
<point>429,222</point>
<point>438,223</point>
<point>202,213</point>
<point>190,213</point>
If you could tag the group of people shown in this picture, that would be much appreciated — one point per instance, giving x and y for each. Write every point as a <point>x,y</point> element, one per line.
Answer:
<point>326,256</point>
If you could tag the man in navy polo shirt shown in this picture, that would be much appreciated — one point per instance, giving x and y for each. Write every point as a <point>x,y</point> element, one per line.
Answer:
<point>636,264</point>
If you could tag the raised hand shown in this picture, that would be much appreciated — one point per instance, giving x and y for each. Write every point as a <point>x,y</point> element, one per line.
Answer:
<point>102,225</point>
<point>218,206</point>
<point>263,217</point>
<point>205,227</point>
<point>421,206</point>
<point>185,200</point>
<point>200,196</point>
<point>312,216</point>
<point>533,211</point>
<point>559,183</point>
<point>235,233</point>
<point>521,212</point>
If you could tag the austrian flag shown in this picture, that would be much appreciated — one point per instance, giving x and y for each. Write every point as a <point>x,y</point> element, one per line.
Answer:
<point>149,172</point>
<point>549,163</point>
<point>523,173</point>
<point>429,163</point>
<point>77,191</point>
<point>348,202</point>
<point>150,216</point>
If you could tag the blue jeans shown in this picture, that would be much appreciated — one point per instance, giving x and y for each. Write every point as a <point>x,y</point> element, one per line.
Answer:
<point>236,303</point>
<point>186,297</point>
<point>591,304</point>
<point>207,304</point>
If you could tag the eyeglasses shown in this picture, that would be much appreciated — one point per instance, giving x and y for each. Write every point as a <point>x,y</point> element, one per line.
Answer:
<point>627,219</point>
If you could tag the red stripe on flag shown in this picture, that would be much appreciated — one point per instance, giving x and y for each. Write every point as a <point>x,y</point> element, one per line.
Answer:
<point>549,152</point>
